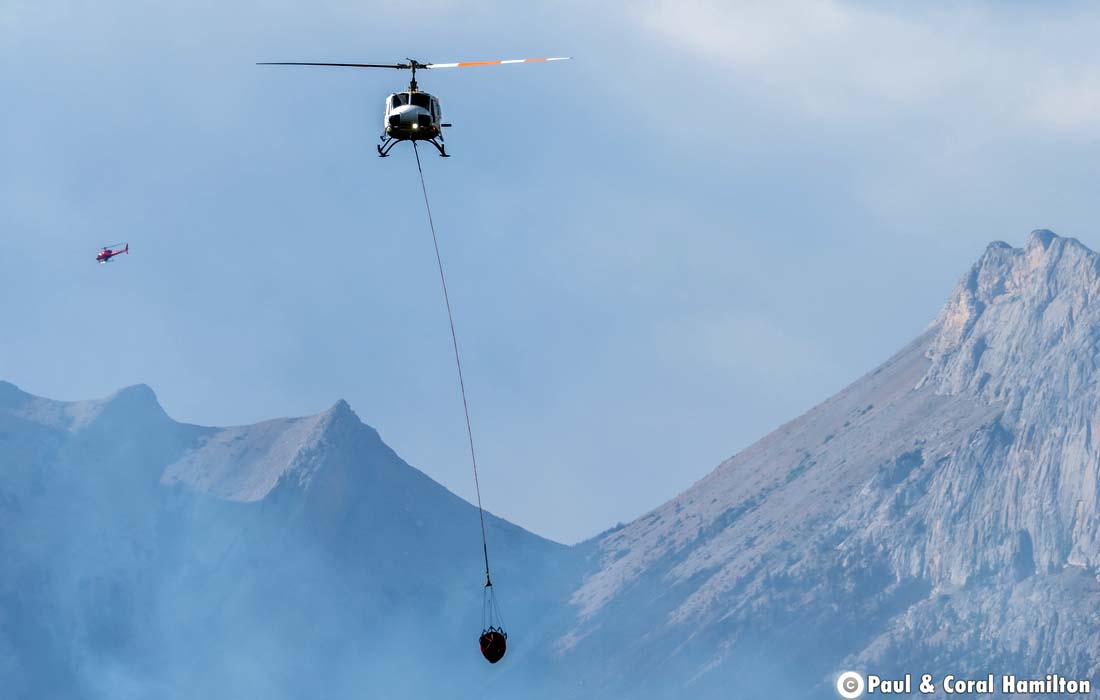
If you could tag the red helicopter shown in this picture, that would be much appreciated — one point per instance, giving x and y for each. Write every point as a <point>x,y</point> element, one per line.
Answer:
<point>106,253</point>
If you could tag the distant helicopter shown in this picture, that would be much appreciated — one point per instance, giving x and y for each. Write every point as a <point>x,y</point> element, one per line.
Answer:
<point>414,115</point>
<point>105,254</point>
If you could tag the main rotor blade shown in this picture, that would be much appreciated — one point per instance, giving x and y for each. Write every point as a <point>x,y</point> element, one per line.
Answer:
<point>470,64</point>
<point>345,65</point>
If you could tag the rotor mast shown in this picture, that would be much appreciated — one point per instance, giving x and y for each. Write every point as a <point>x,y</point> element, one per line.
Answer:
<point>413,65</point>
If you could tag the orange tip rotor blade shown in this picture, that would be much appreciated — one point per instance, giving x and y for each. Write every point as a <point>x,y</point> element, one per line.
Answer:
<point>470,64</point>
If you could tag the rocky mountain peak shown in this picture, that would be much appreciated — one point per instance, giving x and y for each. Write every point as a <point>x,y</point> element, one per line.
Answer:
<point>1020,319</point>
<point>245,463</point>
<point>135,392</point>
<point>341,407</point>
<point>338,420</point>
<point>132,401</point>
<point>131,408</point>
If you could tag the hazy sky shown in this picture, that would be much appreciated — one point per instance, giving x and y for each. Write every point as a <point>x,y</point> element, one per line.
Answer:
<point>715,216</point>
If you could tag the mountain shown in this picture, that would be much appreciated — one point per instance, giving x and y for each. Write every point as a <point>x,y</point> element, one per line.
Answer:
<point>295,558</point>
<point>938,515</point>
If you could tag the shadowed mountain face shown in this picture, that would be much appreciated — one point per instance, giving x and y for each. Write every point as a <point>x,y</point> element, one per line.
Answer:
<point>296,558</point>
<point>939,515</point>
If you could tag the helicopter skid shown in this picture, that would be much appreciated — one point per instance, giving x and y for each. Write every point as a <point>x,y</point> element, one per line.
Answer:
<point>386,146</point>
<point>388,142</point>
<point>439,147</point>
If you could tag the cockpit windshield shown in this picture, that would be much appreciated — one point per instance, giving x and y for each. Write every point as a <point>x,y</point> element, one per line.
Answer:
<point>398,100</point>
<point>419,99</point>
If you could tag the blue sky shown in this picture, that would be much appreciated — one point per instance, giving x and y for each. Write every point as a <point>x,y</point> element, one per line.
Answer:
<point>711,219</point>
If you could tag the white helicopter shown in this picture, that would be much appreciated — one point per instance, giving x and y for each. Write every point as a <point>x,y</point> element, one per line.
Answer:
<point>414,115</point>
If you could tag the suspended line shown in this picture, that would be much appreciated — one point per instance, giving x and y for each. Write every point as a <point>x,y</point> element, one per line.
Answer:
<point>458,364</point>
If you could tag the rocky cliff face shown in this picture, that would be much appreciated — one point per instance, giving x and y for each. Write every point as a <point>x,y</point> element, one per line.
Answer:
<point>1022,332</point>
<point>938,514</point>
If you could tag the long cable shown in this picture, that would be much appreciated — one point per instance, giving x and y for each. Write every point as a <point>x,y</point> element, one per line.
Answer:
<point>458,364</point>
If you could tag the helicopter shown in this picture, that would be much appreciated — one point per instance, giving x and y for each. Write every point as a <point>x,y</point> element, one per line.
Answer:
<point>414,115</point>
<point>106,253</point>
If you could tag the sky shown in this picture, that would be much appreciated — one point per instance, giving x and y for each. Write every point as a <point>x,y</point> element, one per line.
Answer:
<point>714,217</point>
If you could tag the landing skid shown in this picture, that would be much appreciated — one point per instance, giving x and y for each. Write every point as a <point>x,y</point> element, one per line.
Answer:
<point>386,146</point>
<point>388,143</point>
<point>439,147</point>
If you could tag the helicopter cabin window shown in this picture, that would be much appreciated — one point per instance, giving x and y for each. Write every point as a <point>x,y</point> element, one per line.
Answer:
<point>398,100</point>
<point>419,99</point>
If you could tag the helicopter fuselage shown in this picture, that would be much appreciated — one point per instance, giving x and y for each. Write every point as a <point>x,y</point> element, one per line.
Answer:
<point>412,116</point>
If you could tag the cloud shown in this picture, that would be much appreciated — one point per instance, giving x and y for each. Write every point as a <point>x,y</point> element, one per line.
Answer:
<point>1020,67</point>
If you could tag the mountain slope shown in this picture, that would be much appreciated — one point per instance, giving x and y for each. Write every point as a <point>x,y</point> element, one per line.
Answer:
<point>939,513</point>
<point>293,558</point>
